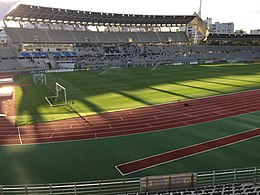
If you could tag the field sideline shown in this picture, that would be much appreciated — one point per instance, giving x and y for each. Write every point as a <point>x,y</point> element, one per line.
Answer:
<point>118,89</point>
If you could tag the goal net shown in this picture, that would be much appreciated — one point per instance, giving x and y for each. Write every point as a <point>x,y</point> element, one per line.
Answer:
<point>39,79</point>
<point>60,97</point>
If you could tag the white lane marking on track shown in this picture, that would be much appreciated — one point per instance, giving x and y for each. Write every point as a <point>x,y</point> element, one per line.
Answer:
<point>11,133</point>
<point>19,135</point>
<point>149,125</point>
<point>52,135</point>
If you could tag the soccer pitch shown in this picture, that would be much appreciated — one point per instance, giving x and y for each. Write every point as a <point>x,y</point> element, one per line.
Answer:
<point>96,92</point>
<point>91,92</point>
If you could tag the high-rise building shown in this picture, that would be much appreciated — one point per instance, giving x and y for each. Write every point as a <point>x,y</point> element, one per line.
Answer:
<point>255,32</point>
<point>221,28</point>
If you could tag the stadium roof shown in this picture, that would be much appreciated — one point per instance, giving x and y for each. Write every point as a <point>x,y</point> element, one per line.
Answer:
<point>39,14</point>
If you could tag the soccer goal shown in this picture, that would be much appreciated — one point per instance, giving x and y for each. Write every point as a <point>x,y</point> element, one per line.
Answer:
<point>39,79</point>
<point>60,98</point>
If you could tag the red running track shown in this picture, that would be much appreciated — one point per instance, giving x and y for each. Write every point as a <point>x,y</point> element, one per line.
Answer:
<point>174,155</point>
<point>132,121</point>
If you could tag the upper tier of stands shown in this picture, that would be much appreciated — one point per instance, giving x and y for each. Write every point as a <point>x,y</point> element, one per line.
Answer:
<point>8,52</point>
<point>25,35</point>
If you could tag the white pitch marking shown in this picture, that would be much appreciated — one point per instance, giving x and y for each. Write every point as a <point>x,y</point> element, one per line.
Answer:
<point>52,135</point>
<point>19,135</point>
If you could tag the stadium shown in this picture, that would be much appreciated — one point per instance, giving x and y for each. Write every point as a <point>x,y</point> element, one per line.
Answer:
<point>107,103</point>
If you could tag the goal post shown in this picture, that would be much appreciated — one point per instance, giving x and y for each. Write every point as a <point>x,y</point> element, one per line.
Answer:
<point>39,79</point>
<point>60,97</point>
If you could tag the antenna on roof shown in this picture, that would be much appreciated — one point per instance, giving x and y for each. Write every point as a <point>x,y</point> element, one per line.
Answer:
<point>199,13</point>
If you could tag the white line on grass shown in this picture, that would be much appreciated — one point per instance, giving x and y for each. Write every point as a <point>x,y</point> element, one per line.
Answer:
<point>65,82</point>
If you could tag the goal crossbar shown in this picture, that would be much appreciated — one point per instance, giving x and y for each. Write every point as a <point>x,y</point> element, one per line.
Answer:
<point>59,99</point>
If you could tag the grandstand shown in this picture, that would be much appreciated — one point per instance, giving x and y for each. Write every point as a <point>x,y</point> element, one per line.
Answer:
<point>47,39</point>
<point>65,34</point>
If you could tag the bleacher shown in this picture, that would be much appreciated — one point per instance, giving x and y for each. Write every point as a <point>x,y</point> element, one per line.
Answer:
<point>155,53</point>
<point>7,52</point>
<point>227,189</point>
<point>23,35</point>
<point>241,181</point>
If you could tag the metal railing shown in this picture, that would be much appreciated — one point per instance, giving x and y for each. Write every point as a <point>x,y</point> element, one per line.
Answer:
<point>126,186</point>
<point>242,175</point>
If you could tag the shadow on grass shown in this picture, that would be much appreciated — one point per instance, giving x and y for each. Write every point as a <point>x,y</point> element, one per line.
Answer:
<point>125,83</point>
<point>200,88</point>
<point>170,92</point>
<point>219,83</point>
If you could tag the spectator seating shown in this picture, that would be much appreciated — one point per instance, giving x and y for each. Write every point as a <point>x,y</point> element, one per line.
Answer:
<point>226,189</point>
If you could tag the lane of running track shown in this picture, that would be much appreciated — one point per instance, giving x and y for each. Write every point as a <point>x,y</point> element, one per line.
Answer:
<point>133,121</point>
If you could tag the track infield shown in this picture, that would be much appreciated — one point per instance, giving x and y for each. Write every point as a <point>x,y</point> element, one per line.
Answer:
<point>142,164</point>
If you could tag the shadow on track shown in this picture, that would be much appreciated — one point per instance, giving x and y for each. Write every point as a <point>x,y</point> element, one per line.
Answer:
<point>70,109</point>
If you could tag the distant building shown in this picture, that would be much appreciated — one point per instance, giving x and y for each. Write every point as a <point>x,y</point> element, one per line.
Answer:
<point>208,21</point>
<point>240,32</point>
<point>255,32</point>
<point>220,28</point>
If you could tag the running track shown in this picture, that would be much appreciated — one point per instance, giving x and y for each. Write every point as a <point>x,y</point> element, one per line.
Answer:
<point>132,121</point>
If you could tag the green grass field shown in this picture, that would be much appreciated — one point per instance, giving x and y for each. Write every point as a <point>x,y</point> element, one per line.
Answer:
<point>96,92</point>
<point>117,89</point>
<point>96,159</point>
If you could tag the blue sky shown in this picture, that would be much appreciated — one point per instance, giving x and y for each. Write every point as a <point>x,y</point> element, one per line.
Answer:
<point>245,14</point>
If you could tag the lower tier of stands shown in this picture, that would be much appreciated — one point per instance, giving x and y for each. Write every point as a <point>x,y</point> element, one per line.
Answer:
<point>128,54</point>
